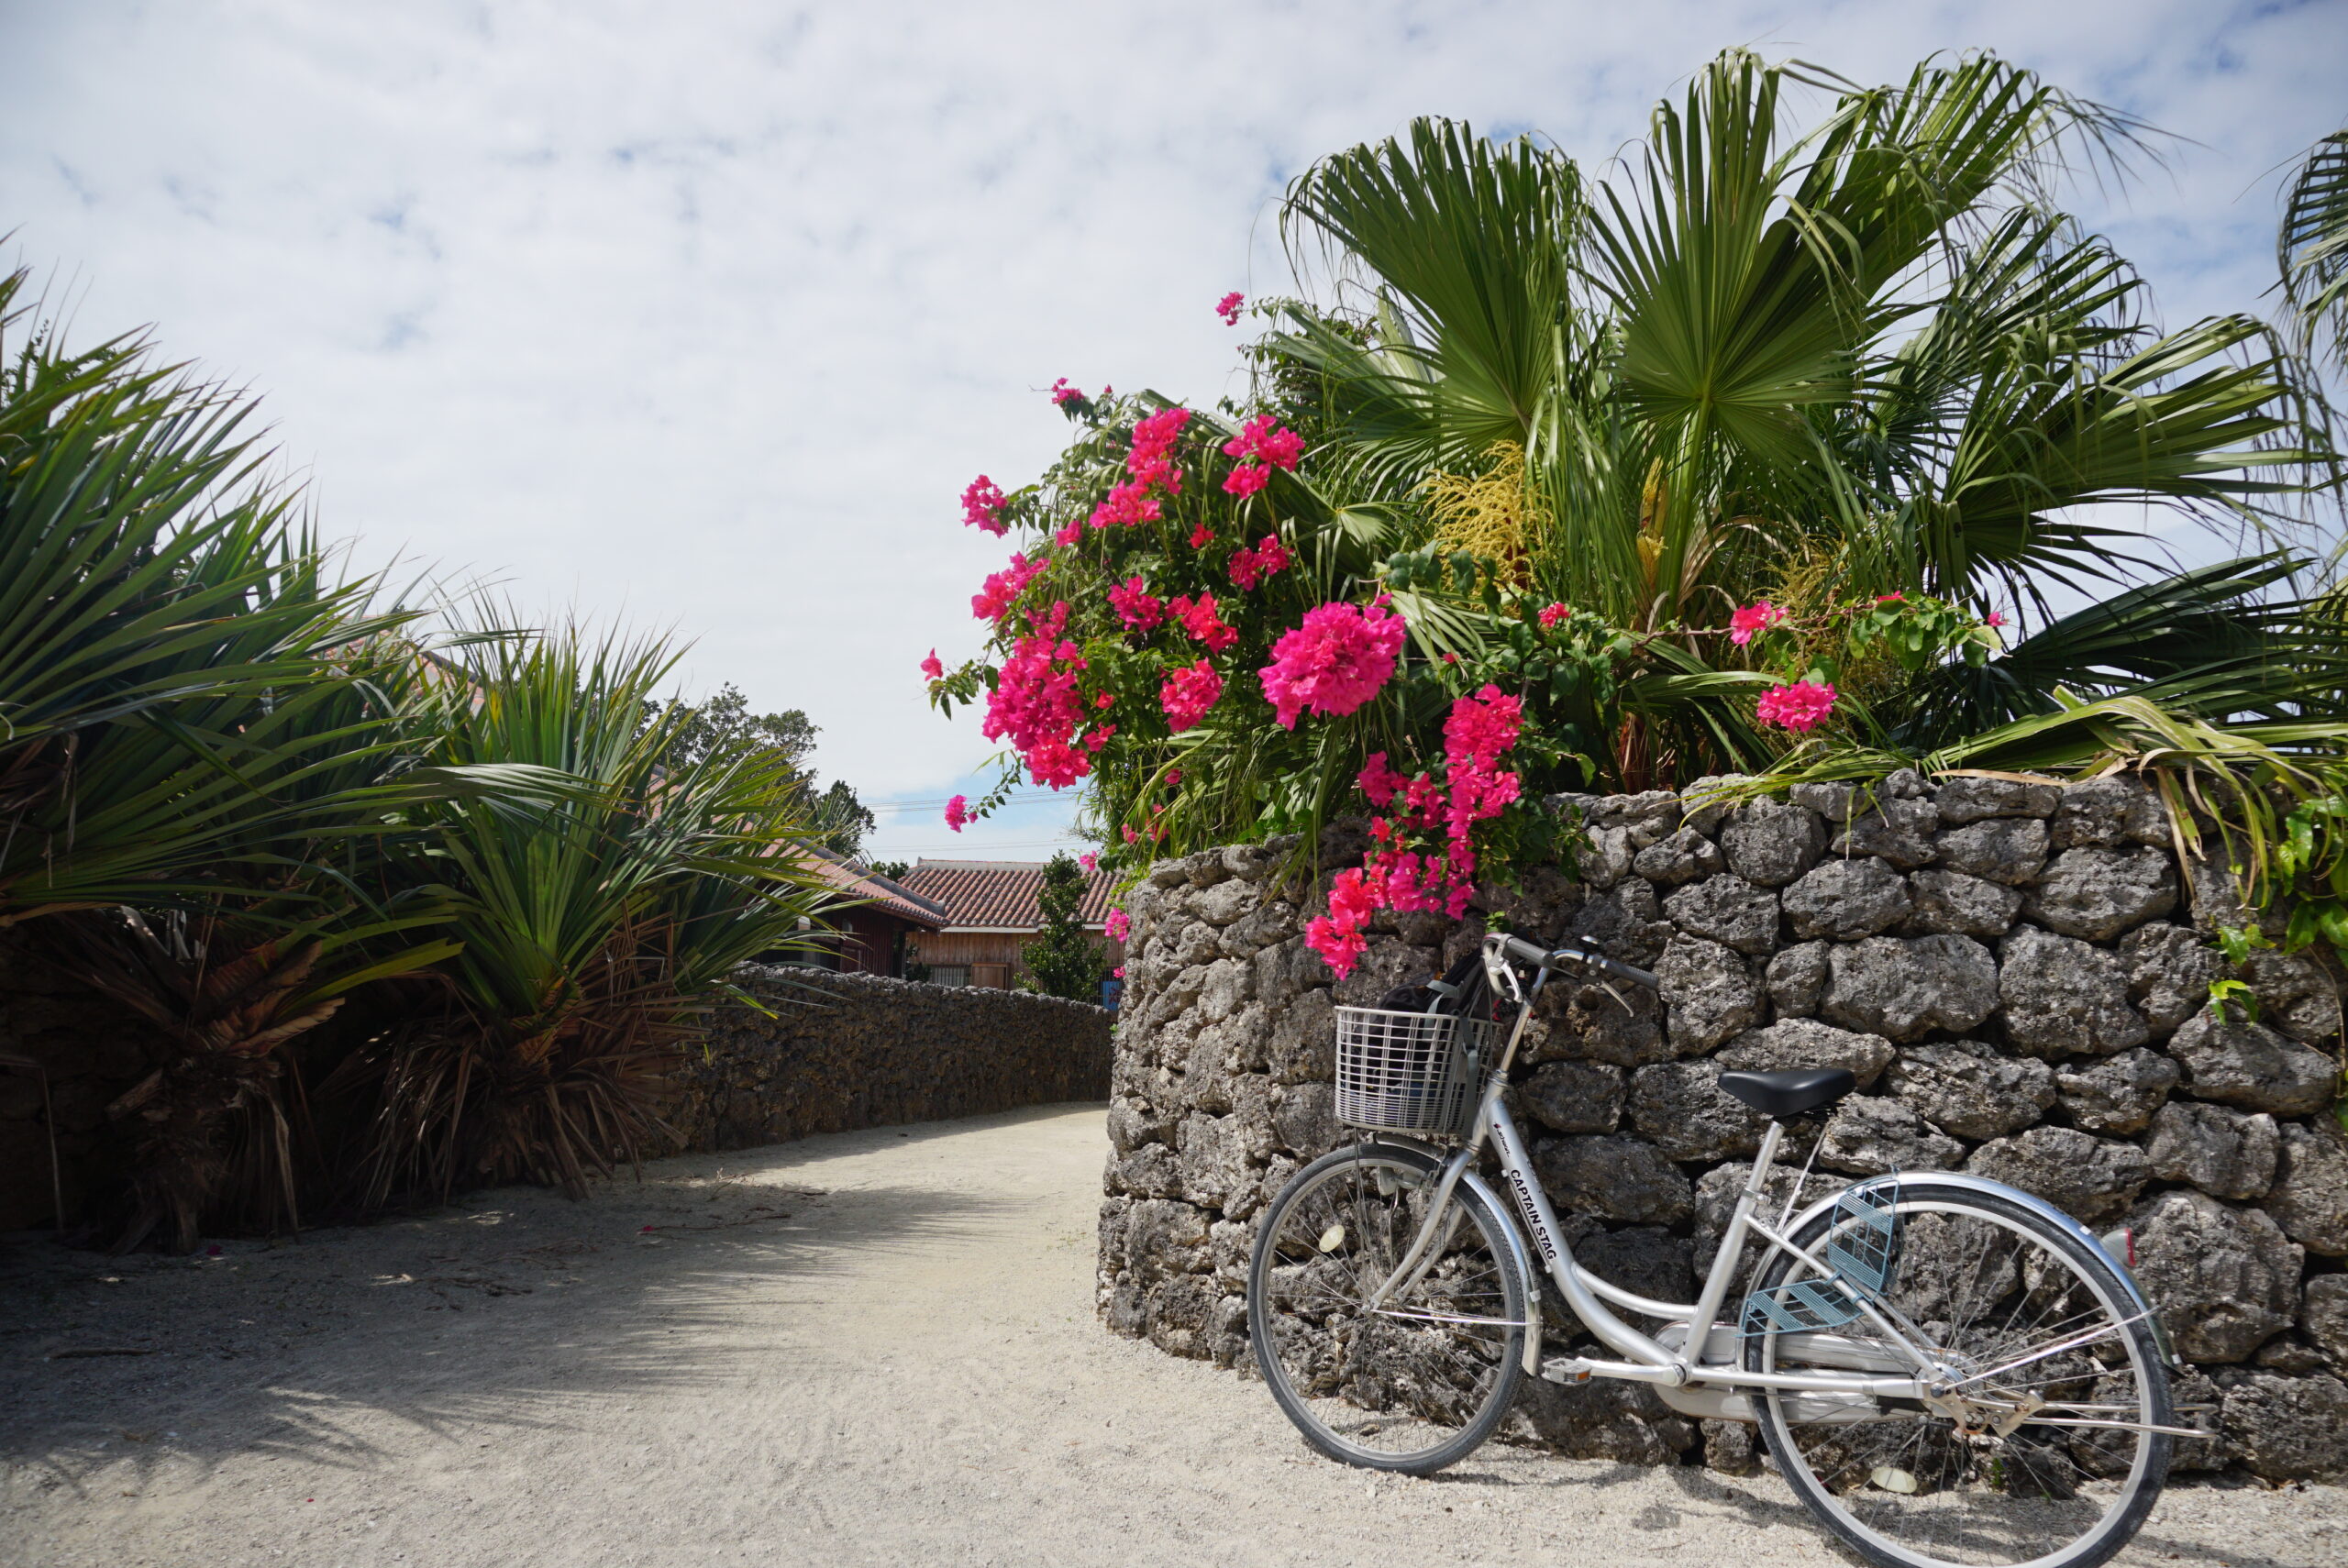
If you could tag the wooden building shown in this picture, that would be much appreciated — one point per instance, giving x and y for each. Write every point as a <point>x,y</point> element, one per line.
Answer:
<point>992,913</point>
<point>876,933</point>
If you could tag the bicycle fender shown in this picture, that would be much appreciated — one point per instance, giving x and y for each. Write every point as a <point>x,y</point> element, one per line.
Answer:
<point>1924,1182</point>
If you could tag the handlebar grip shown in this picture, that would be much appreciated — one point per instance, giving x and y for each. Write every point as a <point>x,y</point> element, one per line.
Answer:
<point>1577,957</point>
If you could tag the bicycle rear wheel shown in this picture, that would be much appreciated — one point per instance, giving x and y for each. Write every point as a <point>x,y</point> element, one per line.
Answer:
<point>1420,1381</point>
<point>2040,1458</point>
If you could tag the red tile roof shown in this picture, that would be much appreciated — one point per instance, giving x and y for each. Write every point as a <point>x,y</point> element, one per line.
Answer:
<point>870,888</point>
<point>998,895</point>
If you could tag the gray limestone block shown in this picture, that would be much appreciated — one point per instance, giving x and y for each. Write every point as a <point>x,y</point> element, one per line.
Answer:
<point>1727,909</point>
<point>1194,943</point>
<point>1152,1171</point>
<point>1622,1024</point>
<point>2249,1064</point>
<point>1679,1108</point>
<point>1701,803</point>
<point>1228,985</point>
<point>1302,1046</point>
<point>1178,1313</point>
<point>2287,1429</point>
<point>1604,1418</point>
<point>1952,903</point>
<point>1390,962</point>
<point>1805,1043</point>
<point>1110,1231</point>
<point>2309,1197</point>
<point>2088,1177</point>
<point>1711,992</point>
<point>1871,1135</point>
<point>1206,868</point>
<point>1972,1089</point>
<point>1796,978</point>
<point>1846,899</point>
<point>1225,902</point>
<point>1607,857</point>
<point>1647,1260</point>
<point>1613,1177</point>
<point>1216,1171</point>
<point>2226,1153</point>
<point>1229,1244</point>
<point>1168,874</point>
<point>1964,799</point>
<point>1905,990</point>
<point>2288,1353</point>
<point>2119,1094</point>
<point>1901,832</point>
<point>2098,893</point>
<point>2225,1280</point>
<point>1259,929</point>
<point>1626,924</point>
<point>1769,843</point>
<point>1304,1119</point>
<point>2011,850</point>
<point>2169,972</point>
<point>2191,1386</point>
<point>1834,800</point>
<point>2109,813</point>
<point>2295,997</point>
<point>2323,1318</point>
<point>2064,998</point>
<point>1251,862</point>
<point>1165,1240</point>
<point>1680,857</point>
<point>1574,1097</point>
<point>1732,1448</point>
<point>1133,1124</point>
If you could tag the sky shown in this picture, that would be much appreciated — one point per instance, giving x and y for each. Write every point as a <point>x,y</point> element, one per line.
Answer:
<point>699,317</point>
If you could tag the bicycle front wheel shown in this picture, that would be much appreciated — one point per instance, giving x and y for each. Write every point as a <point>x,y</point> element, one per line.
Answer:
<point>1416,1381</point>
<point>2038,1455</point>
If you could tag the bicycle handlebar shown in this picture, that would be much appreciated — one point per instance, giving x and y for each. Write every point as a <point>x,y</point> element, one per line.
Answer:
<point>1558,958</point>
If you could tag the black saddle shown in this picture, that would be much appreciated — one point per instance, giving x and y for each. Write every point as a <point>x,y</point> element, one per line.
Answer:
<point>1791,1091</point>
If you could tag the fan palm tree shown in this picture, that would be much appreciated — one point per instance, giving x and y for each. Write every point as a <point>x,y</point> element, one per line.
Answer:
<point>1864,358</point>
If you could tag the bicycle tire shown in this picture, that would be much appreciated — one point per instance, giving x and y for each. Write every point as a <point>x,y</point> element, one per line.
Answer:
<point>1942,1495</point>
<point>1330,1364</point>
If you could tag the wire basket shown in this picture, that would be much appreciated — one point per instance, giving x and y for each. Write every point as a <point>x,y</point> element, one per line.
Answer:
<point>1409,1072</point>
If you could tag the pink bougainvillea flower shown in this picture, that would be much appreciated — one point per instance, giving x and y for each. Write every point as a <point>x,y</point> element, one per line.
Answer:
<point>1070,532</point>
<point>1204,622</point>
<point>1552,614</point>
<point>1002,589</point>
<point>1201,536</point>
<point>1063,394</point>
<point>982,506</point>
<point>1103,700</point>
<point>1135,604</point>
<point>1151,460</point>
<point>931,667</point>
<point>1993,620</point>
<point>1893,598</point>
<point>1127,505</point>
<point>958,811</point>
<point>1188,693</point>
<point>1481,727</point>
<point>1247,479</point>
<point>1271,556</point>
<point>1334,662</point>
<point>1753,619</point>
<point>1118,973</point>
<point>1089,861</point>
<point>1116,927</point>
<point>1800,707</point>
<point>1173,776</point>
<point>1380,781</point>
<point>1266,440</point>
<point>1228,306</point>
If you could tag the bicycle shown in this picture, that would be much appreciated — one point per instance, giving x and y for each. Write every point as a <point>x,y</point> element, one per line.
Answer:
<point>1946,1370</point>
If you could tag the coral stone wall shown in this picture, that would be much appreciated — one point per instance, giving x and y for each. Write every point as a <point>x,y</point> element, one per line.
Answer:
<point>2017,973</point>
<point>870,1051</point>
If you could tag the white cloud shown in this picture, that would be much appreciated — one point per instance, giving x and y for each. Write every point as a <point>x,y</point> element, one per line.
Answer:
<point>705,316</point>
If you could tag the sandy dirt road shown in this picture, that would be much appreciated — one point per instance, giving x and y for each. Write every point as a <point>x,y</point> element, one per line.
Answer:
<point>873,1348</point>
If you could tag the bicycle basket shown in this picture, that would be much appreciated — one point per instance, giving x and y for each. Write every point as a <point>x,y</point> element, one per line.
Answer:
<point>1409,1072</point>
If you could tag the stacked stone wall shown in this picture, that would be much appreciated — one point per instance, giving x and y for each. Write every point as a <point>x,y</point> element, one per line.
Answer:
<point>2017,973</point>
<point>870,1051</point>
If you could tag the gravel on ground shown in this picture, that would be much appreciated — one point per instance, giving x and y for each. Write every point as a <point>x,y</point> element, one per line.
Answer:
<point>875,1347</point>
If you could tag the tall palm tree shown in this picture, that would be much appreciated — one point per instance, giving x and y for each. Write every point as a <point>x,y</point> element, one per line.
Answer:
<point>1866,357</point>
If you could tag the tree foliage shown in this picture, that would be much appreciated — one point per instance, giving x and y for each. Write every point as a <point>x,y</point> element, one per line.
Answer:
<point>1063,960</point>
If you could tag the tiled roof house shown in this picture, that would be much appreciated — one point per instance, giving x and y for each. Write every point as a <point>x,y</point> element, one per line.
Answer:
<point>882,920</point>
<point>991,909</point>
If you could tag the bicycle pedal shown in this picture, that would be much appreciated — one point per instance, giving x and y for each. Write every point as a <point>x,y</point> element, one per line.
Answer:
<point>1565,1369</point>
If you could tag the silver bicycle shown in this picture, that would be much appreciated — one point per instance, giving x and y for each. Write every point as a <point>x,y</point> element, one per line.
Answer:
<point>1946,1370</point>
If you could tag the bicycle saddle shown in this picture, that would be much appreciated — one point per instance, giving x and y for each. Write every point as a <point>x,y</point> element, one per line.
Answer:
<point>1791,1091</point>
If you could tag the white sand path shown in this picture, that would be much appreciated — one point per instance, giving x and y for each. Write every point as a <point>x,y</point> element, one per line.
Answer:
<point>905,1369</point>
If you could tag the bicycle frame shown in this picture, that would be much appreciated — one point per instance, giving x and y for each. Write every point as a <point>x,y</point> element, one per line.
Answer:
<point>1913,1375</point>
